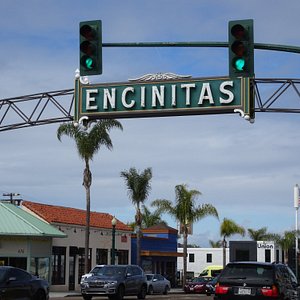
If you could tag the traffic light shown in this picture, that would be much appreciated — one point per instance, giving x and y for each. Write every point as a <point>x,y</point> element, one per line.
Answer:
<point>90,48</point>
<point>241,48</point>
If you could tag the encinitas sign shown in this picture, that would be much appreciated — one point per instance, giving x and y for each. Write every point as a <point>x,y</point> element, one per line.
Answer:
<point>166,97</point>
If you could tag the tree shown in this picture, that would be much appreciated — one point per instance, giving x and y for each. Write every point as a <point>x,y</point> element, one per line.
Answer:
<point>217,244</point>
<point>138,187</point>
<point>151,218</point>
<point>259,234</point>
<point>88,143</point>
<point>286,241</point>
<point>227,229</point>
<point>186,213</point>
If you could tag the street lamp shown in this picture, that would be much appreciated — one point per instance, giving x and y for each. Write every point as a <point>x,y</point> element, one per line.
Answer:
<point>113,249</point>
<point>296,205</point>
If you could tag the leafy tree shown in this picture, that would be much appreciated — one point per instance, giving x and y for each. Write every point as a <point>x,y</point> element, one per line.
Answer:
<point>138,187</point>
<point>259,234</point>
<point>151,218</point>
<point>217,244</point>
<point>286,241</point>
<point>186,213</point>
<point>227,229</point>
<point>88,143</point>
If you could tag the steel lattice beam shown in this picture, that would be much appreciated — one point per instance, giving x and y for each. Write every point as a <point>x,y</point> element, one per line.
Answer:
<point>271,95</point>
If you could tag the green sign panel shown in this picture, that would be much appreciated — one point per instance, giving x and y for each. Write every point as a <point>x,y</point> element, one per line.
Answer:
<point>166,97</point>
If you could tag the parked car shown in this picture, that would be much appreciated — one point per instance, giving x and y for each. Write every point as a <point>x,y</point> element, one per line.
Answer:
<point>196,285</point>
<point>157,284</point>
<point>210,286</point>
<point>114,281</point>
<point>16,283</point>
<point>255,280</point>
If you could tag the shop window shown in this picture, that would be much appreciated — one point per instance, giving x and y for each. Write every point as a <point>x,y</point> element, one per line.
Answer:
<point>101,256</point>
<point>81,259</point>
<point>122,257</point>
<point>39,266</point>
<point>191,257</point>
<point>58,265</point>
<point>209,257</point>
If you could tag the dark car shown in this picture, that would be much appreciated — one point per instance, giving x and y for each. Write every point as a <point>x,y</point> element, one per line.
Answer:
<point>211,285</point>
<point>114,281</point>
<point>255,280</point>
<point>196,285</point>
<point>16,283</point>
<point>157,284</point>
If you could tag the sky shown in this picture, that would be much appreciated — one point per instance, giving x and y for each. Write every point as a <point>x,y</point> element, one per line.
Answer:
<point>247,171</point>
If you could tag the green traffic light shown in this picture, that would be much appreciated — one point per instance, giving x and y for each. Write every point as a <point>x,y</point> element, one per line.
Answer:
<point>89,63</point>
<point>239,64</point>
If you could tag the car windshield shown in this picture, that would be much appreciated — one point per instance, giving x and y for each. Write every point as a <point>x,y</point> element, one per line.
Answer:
<point>149,277</point>
<point>248,271</point>
<point>108,271</point>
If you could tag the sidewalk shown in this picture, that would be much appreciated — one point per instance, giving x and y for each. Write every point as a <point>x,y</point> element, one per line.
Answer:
<point>77,294</point>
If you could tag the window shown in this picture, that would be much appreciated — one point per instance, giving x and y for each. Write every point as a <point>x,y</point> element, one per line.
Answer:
<point>58,265</point>
<point>101,256</point>
<point>39,266</point>
<point>267,255</point>
<point>81,259</point>
<point>191,257</point>
<point>122,257</point>
<point>208,257</point>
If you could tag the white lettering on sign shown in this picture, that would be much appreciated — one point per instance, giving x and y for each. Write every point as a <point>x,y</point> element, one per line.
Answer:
<point>90,99</point>
<point>124,94</point>
<point>111,98</point>
<point>200,93</point>
<point>224,91</point>
<point>188,87</point>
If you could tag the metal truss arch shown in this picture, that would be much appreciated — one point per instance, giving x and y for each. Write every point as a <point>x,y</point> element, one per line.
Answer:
<point>279,95</point>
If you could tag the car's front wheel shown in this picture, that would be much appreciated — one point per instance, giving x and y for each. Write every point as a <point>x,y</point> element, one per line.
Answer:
<point>150,290</point>
<point>40,295</point>
<point>87,297</point>
<point>166,290</point>
<point>143,292</point>
<point>120,293</point>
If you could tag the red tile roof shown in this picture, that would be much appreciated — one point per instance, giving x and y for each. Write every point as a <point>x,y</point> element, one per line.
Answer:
<point>68,215</point>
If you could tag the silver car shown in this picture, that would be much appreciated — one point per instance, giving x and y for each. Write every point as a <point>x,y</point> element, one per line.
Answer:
<point>157,284</point>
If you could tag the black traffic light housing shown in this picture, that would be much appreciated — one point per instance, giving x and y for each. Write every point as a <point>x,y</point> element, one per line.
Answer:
<point>241,48</point>
<point>90,47</point>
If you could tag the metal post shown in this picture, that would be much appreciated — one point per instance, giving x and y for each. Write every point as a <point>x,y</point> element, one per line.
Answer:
<point>296,205</point>
<point>113,247</point>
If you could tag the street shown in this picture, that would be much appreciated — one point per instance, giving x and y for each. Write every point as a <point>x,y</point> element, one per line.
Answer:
<point>170,296</point>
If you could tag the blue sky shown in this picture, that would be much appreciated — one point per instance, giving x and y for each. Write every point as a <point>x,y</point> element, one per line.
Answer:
<point>247,171</point>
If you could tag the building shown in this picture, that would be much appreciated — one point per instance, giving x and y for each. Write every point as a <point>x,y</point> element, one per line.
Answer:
<point>264,251</point>
<point>68,253</point>
<point>158,251</point>
<point>26,241</point>
<point>200,258</point>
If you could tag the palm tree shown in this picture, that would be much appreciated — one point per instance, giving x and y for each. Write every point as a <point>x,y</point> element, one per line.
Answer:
<point>227,229</point>
<point>286,241</point>
<point>151,218</point>
<point>138,187</point>
<point>88,143</point>
<point>213,244</point>
<point>186,213</point>
<point>259,234</point>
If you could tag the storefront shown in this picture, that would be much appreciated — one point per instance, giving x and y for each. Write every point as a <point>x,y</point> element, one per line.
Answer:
<point>26,241</point>
<point>68,254</point>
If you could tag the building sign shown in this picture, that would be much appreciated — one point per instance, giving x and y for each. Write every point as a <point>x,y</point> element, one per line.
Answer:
<point>167,97</point>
